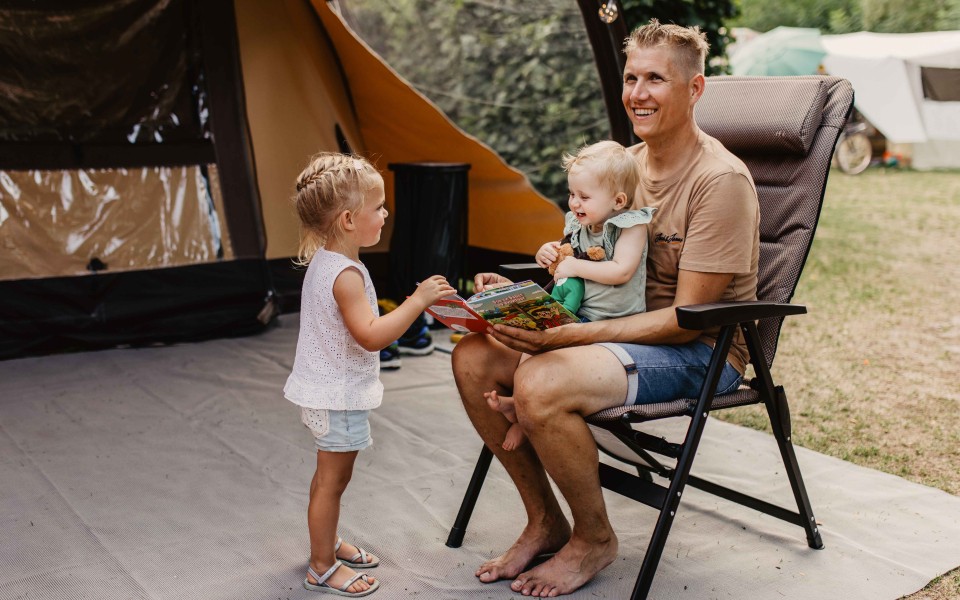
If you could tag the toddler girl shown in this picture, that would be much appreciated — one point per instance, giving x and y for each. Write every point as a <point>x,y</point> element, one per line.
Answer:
<point>603,179</point>
<point>335,381</point>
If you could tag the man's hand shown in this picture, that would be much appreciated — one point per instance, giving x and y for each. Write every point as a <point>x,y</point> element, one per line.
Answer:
<point>532,342</point>
<point>488,281</point>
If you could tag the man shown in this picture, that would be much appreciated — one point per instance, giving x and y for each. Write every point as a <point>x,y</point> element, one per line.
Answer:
<point>703,247</point>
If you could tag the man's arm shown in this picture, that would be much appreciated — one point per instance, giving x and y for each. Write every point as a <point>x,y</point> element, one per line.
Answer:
<point>654,327</point>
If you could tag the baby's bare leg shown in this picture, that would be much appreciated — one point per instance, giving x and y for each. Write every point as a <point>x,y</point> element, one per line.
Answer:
<point>514,438</point>
<point>502,404</point>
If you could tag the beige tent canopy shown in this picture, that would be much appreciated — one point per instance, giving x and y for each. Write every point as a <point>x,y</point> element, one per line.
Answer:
<point>305,75</point>
<point>145,189</point>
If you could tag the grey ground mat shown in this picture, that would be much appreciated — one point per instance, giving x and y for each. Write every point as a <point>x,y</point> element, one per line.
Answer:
<point>181,472</point>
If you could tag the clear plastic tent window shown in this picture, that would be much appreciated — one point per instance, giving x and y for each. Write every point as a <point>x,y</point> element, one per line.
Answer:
<point>69,222</point>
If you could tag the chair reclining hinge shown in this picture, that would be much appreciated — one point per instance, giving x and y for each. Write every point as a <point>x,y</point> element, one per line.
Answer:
<point>656,444</point>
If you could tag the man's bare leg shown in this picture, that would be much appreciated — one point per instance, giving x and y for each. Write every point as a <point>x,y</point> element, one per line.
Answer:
<point>481,364</point>
<point>551,409</point>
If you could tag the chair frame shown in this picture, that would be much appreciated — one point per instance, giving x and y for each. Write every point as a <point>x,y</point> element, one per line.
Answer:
<point>729,317</point>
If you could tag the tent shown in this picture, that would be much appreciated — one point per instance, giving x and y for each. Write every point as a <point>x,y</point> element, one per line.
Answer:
<point>907,86</point>
<point>148,152</point>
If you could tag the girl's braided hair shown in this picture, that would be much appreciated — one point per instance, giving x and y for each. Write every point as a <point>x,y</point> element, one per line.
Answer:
<point>331,184</point>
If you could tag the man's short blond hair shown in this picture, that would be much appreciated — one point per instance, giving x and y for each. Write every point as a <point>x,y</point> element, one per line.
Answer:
<point>688,43</point>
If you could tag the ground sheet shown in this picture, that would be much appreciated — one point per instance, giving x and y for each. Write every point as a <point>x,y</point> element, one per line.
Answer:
<point>181,472</point>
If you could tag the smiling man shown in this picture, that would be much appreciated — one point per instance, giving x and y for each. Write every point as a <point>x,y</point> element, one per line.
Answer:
<point>703,247</point>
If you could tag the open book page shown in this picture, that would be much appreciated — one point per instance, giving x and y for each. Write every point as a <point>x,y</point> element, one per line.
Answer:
<point>455,313</point>
<point>525,305</point>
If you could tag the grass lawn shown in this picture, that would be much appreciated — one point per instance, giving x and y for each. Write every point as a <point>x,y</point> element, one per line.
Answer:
<point>873,371</point>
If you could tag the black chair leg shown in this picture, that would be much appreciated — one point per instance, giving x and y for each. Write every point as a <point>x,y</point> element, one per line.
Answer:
<point>455,539</point>
<point>780,422</point>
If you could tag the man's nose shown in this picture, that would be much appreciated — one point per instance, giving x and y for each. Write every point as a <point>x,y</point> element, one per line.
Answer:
<point>638,92</point>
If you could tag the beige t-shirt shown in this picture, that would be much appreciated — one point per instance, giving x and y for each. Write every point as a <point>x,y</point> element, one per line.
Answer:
<point>707,220</point>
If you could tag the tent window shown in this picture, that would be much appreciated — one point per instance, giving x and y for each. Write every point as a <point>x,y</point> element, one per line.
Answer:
<point>57,223</point>
<point>940,84</point>
<point>101,83</point>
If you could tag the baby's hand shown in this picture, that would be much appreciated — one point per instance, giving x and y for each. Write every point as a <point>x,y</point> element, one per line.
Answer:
<point>566,268</point>
<point>548,253</point>
<point>432,289</point>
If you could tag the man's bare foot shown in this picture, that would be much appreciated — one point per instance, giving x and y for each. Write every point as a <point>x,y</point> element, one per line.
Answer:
<point>514,438</point>
<point>548,537</point>
<point>502,404</point>
<point>573,566</point>
<point>340,577</point>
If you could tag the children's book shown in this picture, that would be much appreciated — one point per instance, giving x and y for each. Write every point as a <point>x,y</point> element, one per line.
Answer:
<point>525,305</point>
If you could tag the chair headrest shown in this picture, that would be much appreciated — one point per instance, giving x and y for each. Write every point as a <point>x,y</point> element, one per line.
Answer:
<point>751,115</point>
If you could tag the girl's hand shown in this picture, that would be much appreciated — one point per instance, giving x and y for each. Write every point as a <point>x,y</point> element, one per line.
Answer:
<point>432,289</point>
<point>548,253</point>
<point>566,268</point>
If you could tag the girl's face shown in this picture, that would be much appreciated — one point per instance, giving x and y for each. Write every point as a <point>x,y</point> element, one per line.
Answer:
<point>371,216</point>
<point>591,201</point>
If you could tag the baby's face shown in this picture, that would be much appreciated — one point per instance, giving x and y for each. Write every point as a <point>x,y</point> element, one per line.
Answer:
<point>591,201</point>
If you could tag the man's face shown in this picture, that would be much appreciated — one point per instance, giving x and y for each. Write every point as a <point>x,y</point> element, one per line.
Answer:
<point>657,94</point>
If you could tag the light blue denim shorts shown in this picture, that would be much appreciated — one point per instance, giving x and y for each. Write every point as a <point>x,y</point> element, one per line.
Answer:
<point>338,430</point>
<point>668,372</point>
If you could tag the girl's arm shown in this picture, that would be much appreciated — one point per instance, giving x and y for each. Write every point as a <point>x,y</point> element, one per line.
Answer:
<point>375,332</point>
<point>627,254</point>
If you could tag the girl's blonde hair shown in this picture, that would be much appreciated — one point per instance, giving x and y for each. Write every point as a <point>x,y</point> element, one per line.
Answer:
<point>689,44</point>
<point>331,183</point>
<point>611,163</point>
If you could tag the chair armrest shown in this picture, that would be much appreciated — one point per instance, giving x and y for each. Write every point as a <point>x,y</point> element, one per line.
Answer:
<point>514,267</point>
<point>718,314</point>
<point>523,271</point>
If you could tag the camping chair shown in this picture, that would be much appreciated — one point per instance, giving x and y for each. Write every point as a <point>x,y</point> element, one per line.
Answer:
<point>784,129</point>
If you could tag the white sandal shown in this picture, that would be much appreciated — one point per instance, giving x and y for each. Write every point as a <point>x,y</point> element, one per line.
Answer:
<point>322,586</point>
<point>360,560</point>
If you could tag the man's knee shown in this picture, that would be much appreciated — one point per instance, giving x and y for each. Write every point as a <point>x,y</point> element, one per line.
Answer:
<point>535,391</point>
<point>471,356</point>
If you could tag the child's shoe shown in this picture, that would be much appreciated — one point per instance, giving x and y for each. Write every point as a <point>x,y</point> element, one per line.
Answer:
<point>390,358</point>
<point>416,340</point>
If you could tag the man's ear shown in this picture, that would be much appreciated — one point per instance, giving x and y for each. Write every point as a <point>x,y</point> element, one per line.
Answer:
<point>697,84</point>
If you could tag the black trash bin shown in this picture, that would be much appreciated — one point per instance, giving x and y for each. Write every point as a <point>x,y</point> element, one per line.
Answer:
<point>430,224</point>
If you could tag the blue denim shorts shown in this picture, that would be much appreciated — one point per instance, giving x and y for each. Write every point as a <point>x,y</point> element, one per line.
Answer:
<point>338,430</point>
<point>668,372</point>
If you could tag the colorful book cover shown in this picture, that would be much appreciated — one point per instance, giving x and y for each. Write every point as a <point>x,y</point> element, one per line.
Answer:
<point>525,305</point>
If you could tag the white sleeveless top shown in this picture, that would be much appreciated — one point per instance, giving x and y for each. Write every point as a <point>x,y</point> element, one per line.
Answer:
<point>331,370</point>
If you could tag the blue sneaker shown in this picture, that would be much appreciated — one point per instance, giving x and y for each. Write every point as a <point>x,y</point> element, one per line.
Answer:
<point>390,358</point>
<point>416,340</point>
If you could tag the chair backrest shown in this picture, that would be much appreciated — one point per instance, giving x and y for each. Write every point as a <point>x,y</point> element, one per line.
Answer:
<point>784,129</point>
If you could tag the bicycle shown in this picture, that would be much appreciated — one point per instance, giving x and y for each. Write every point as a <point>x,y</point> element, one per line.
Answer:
<point>854,150</point>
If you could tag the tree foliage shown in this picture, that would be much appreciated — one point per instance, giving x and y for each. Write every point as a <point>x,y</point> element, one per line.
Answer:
<point>844,16</point>
<point>520,76</point>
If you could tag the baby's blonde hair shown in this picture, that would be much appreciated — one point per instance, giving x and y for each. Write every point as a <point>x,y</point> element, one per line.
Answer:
<point>613,165</point>
<point>331,184</point>
<point>688,43</point>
